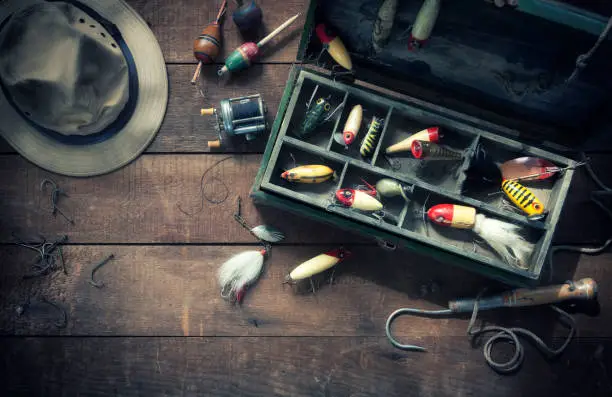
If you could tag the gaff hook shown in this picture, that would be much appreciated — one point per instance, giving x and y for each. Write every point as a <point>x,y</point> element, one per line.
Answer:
<point>411,311</point>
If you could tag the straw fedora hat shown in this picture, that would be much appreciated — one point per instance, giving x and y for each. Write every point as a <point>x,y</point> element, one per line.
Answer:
<point>83,83</point>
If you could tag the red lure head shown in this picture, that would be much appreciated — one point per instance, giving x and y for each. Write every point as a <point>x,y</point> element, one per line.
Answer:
<point>441,214</point>
<point>339,253</point>
<point>348,137</point>
<point>434,134</point>
<point>346,196</point>
<point>417,149</point>
<point>324,34</point>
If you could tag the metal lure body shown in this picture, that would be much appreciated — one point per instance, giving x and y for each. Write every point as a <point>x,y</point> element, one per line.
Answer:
<point>314,117</point>
<point>383,24</point>
<point>452,215</point>
<point>429,135</point>
<point>363,200</point>
<point>318,264</point>
<point>369,142</point>
<point>334,46</point>
<point>424,24</point>
<point>352,125</point>
<point>523,198</point>
<point>309,174</point>
<point>528,169</point>
<point>423,150</point>
<point>388,187</point>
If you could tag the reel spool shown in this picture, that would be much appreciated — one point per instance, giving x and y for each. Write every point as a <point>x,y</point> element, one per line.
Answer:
<point>242,116</point>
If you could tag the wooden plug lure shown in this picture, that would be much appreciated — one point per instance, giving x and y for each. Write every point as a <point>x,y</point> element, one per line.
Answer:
<point>424,24</point>
<point>423,150</point>
<point>352,125</point>
<point>360,199</point>
<point>309,174</point>
<point>383,24</point>
<point>334,46</point>
<point>369,142</point>
<point>431,134</point>
<point>502,237</point>
<point>524,199</point>
<point>208,44</point>
<point>388,187</point>
<point>316,114</point>
<point>318,264</point>
<point>243,56</point>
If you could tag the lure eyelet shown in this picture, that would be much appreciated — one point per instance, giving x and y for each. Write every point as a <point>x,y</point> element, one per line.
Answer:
<point>320,101</point>
<point>327,107</point>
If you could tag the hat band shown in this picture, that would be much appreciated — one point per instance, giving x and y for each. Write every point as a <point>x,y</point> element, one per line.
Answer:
<point>126,114</point>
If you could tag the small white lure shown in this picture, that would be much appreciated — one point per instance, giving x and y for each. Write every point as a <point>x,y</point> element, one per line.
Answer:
<point>238,272</point>
<point>267,233</point>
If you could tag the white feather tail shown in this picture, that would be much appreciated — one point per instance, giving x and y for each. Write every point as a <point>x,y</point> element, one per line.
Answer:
<point>237,273</point>
<point>505,239</point>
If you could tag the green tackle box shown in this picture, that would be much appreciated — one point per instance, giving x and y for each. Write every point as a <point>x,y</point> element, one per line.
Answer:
<point>435,182</point>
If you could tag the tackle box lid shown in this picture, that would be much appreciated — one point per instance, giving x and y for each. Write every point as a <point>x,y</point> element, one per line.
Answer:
<point>508,66</point>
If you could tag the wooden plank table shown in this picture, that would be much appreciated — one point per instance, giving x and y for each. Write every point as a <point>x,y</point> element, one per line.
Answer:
<point>159,326</point>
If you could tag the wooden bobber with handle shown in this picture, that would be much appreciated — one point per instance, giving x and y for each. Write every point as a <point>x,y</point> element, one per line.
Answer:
<point>243,56</point>
<point>207,46</point>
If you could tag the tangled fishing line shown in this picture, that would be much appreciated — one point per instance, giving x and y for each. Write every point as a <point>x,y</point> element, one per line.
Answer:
<point>206,182</point>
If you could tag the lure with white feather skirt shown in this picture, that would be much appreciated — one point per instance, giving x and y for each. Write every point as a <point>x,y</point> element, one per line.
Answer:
<point>240,271</point>
<point>502,236</point>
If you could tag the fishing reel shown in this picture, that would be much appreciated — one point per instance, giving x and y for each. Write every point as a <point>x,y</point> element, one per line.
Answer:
<point>242,116</point>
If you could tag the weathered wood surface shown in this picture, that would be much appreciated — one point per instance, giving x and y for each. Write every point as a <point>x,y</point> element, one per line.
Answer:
<point>173,291</point>
<point>140,204</point>
<point>177,23</point>
<point>332,366</point>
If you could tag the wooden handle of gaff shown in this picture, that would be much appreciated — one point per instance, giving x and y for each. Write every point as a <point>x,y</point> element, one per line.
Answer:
<point>196,75</point>
<point>207,112</point>
<point>583,289</point>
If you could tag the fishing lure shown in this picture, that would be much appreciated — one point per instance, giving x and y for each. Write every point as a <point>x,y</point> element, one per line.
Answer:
<point>237,273</point>
<point>315,114</point>
<point>369,142</point>
<point>503,237</point>
<point>309,174</point>
<point>388,187</point>
<point>424,24</point>
<point>318,264</point>
<point>264,233</point>
<point>523,198</point>
<point>383,24</point>
<point>429,135</point>
<point>352,125</point>
<point>424,150</point>
<point>208,44</point>
<point>360,199</point>
<point>243,56</point>
<point>529,169</point>
<point>334,46</point>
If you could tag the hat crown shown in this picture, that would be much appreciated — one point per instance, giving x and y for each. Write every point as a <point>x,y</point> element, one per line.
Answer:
<point>62,69</point>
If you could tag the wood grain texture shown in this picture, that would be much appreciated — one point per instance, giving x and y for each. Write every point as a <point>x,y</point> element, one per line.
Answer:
<point>173,291</point>
<point>177,23</point>
<point>139,204</point>
<point>286,367</point>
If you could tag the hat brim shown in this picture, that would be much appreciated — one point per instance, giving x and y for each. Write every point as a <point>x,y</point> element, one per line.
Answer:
<point>120,149</point>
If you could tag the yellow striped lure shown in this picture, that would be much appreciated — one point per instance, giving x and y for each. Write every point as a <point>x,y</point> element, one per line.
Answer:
<point>524,199</point>
<point>369,142</point>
